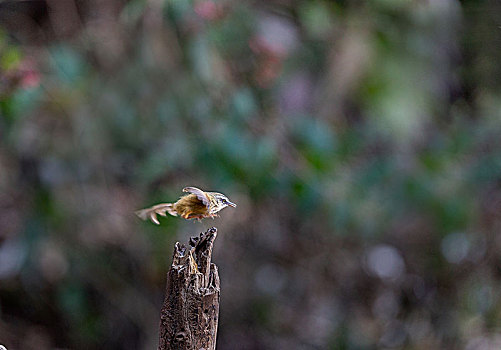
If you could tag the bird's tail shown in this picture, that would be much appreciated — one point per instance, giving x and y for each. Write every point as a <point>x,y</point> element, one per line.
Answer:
<point>160,209</point>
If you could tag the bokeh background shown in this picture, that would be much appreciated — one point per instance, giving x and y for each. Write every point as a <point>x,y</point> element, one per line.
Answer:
<point>360,140</point>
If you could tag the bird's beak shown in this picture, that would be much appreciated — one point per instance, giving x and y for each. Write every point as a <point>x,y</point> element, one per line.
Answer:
<point>232,204</point>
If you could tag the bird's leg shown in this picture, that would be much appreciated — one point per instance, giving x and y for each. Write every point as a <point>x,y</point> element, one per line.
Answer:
<point>197,217</point>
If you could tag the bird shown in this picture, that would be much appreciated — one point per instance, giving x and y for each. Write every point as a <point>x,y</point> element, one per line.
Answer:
<point>197,204</point>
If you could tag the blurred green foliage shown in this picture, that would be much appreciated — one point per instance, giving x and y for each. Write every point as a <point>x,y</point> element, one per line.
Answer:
<point>360,141</point>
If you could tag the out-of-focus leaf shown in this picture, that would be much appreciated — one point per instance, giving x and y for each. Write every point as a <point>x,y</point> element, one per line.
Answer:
<point>317,18</point>
<point>244,104</point>
<point>68,64</point>
<point>201,58</point>
<point>24,101</point>
<point>317,140</point>
<point>10,58</point>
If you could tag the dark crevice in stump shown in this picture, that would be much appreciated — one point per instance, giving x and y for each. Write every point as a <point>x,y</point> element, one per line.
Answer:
<point>190,312</point>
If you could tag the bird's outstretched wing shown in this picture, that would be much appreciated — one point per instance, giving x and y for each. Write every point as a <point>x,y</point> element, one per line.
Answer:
<point>199,193</point>
<point>151,213</point>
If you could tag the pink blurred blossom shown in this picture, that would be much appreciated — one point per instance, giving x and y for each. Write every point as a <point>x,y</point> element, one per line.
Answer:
<point>275,38</point>
<point>29,74</point>
<point>208,10</point>
<point>269,61</point>
<point>30,79</point>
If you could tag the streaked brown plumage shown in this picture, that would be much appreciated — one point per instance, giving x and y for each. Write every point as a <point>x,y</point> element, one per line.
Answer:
<point>197,204</point>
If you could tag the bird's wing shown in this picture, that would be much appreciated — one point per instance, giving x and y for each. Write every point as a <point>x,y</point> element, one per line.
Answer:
<point>151,213</point>
<point>199,193</point>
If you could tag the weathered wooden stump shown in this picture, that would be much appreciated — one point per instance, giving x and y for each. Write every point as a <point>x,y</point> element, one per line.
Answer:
<point>190,311</point>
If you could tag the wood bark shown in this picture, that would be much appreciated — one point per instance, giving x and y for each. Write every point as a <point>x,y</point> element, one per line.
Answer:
<point>190,312</point>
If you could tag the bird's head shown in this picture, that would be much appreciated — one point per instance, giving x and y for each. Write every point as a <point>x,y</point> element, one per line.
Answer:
<point>219,201</point>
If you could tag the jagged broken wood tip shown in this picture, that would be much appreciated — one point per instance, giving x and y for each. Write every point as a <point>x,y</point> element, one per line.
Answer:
<point>209,235</point>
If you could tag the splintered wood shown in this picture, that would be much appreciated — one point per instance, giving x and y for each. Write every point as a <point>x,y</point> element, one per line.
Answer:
<point>190,312</point>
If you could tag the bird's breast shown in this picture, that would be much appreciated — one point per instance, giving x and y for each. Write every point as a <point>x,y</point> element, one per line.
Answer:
<point>190,205</point>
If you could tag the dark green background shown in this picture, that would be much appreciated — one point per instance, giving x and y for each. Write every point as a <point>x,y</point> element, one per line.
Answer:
<point>360,140</point>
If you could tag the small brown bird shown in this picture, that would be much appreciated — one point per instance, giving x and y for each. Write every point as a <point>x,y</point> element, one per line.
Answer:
<point>197,204</point>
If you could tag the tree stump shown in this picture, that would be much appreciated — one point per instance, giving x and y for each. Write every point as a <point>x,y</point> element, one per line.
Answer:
<point>190,312</point>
